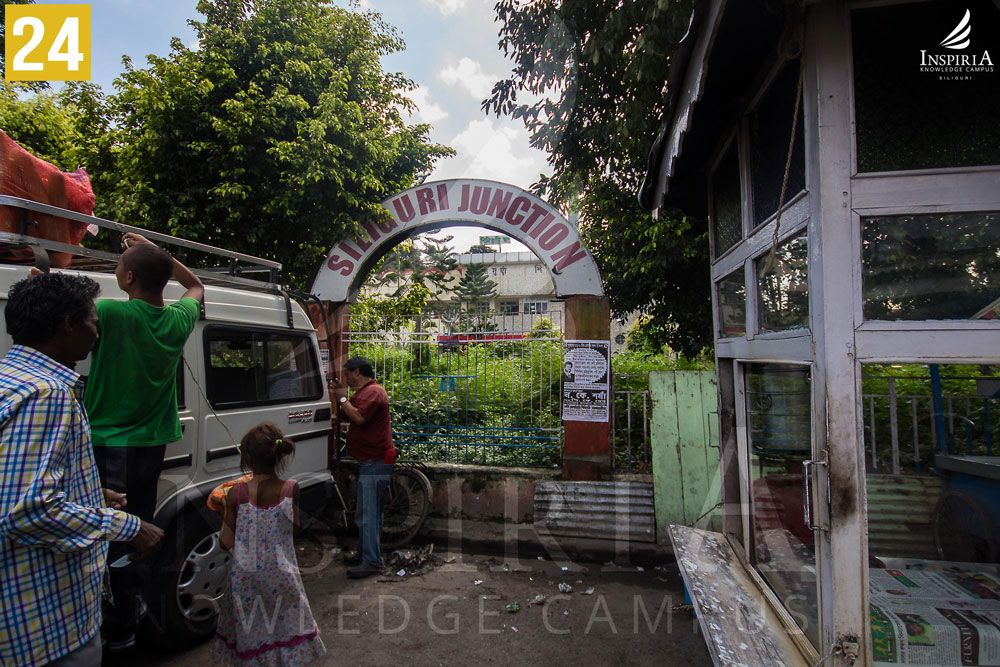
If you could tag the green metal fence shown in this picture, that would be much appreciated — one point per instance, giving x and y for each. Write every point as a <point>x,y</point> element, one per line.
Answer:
<point>487,396</point>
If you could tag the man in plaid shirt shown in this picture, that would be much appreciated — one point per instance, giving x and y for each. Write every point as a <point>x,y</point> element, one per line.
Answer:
<point>54,523</point>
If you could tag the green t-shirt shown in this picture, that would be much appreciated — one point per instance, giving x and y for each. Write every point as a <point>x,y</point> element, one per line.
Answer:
<point>131,395</point>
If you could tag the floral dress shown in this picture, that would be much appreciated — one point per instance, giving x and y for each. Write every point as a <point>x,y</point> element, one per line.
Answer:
<point>265,620</point>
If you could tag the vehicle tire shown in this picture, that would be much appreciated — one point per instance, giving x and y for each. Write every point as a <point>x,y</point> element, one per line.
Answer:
<point>406,508</point>
<point>962,529</point>
<point>188,580</point>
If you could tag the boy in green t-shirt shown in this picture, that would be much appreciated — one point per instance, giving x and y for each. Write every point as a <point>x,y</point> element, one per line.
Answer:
<point>131,397</point>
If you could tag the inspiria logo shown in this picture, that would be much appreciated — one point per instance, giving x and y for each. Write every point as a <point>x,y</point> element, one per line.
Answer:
<point>957,66</point>
<point>959,37</point>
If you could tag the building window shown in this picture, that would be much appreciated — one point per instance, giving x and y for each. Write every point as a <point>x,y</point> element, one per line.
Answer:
<point>254,367</point>
<point>783,286</point>
<point>536,307</point>
<point>727,219</point>
<point>931,267</point>
<point>770,130</point>
<point>732,305</point>
<point>508,308</point>
<point>912,113</point>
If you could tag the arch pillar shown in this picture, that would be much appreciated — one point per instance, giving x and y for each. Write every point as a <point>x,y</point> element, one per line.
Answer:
<point>587,445</point>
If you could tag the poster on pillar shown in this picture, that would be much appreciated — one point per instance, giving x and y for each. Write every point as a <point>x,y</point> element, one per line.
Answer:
<point>586,380</point>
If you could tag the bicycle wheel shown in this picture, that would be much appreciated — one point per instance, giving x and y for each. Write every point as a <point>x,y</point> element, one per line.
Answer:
<point>962,529</point>
<point>406,508</point>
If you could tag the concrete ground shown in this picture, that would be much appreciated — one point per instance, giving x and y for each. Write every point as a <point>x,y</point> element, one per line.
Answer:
<point>458,611</point>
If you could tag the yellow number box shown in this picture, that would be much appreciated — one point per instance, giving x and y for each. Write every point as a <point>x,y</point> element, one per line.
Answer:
<point>47,43</point>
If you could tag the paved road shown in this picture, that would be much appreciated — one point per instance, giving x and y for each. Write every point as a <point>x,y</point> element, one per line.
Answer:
<point>444,616</point>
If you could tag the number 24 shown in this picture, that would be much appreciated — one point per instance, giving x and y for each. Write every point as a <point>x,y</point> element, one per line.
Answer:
<point>68,37</point>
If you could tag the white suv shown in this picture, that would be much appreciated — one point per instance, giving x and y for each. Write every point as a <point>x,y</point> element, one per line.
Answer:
<point>253,357</point>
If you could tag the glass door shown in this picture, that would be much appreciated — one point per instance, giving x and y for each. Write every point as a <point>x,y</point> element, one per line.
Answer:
<point>778,472</point>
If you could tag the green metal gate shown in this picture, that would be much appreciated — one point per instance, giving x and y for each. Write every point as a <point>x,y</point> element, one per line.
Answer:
<point>489,395</point>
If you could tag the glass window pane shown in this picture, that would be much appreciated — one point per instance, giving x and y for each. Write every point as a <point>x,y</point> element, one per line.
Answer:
<point>783,291</point>
<point>232,376</point>
<point>778,416</point>
<point>910,115</point>
<point>770,130</point>
<point>508,308</point>
<point>930,445</point>
<point>931,267</point>
<point>733,305</point>
<point>256,367</point>
<point>292,371</point>
<point>727,225</point>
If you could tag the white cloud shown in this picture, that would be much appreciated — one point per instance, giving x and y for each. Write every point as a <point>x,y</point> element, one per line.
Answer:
<point>490,150</point>
<point>427,111</point>
<point>469,74</point>
<point>446,7</point>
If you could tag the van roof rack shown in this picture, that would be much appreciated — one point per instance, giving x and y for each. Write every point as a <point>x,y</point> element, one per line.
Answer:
<point>235,265</point>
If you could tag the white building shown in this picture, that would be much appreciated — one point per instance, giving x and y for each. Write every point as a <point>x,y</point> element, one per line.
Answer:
<point>524,293</point>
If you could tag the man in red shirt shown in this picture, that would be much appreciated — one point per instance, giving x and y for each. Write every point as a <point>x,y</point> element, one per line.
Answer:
<point>369,440</point>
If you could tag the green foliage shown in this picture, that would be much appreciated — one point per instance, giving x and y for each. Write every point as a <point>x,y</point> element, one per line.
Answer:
<point>39,124</point>
<point>543,328</point>
<point>427,260</point>
<point>475,290</point>
<point>475,286</point>
<point>642,337</point>
<point>502,401</point>
<point>274,137</point>
<point>973,416</point>
<point>631,369</point>
<point>480,249</point>
<point>372,312</point>
<point>599,70</point>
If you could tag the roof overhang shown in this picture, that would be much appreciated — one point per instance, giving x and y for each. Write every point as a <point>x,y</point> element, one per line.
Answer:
<point>713,68</point>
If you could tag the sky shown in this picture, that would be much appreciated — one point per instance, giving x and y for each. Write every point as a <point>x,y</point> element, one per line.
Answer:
<point>451,55</point>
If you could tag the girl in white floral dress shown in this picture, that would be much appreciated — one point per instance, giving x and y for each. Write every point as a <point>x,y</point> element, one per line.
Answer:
<point>265,620</point>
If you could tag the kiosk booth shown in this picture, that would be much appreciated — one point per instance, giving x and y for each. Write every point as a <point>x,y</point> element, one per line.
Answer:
<point>846,159</point>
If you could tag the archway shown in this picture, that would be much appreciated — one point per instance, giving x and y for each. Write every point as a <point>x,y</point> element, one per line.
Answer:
<point>514,212</point>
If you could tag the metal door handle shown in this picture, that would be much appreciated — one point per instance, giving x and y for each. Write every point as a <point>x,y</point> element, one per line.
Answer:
<point>806,495</point>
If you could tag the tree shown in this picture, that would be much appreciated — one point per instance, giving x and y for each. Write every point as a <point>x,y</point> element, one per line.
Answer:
<point>475,289</point>
<point>594,76</point>
<point>426,260</point>
<point>479,248</point>
<point>275,136</point>
<point>70,128</point>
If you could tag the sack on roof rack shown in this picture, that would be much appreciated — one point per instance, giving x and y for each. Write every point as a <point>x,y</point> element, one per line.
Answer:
<point>24,175</point>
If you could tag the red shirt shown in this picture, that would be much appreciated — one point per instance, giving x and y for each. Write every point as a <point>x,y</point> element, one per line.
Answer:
<point>371,439</point>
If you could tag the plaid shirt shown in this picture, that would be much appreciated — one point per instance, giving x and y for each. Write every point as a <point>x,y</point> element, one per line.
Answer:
<point>54,526</point>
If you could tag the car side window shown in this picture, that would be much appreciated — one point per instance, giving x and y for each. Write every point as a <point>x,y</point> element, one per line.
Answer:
<point>260,367</point>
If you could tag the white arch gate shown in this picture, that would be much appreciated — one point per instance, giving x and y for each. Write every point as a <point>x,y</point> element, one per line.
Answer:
<point>511,211</point>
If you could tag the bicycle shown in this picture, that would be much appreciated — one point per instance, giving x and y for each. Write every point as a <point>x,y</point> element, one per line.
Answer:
<point>407,504</point>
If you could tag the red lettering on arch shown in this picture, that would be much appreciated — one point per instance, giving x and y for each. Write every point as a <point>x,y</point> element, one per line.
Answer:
<point>344,266</point>
<point>387,225</point>
<point>569,255</point>
<point>425,200</point>
<point>498,207</point>
<point>553,236</point>
<point>404,208</point>
<point>516,211</point>
<point>349,249</point>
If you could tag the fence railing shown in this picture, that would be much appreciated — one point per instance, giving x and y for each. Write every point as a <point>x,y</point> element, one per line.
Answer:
<point>482,397</point>
<point>630,432</point>
<point>902,431</point>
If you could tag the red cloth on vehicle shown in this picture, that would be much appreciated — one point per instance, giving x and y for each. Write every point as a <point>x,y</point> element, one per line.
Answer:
<point>26,176</point>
